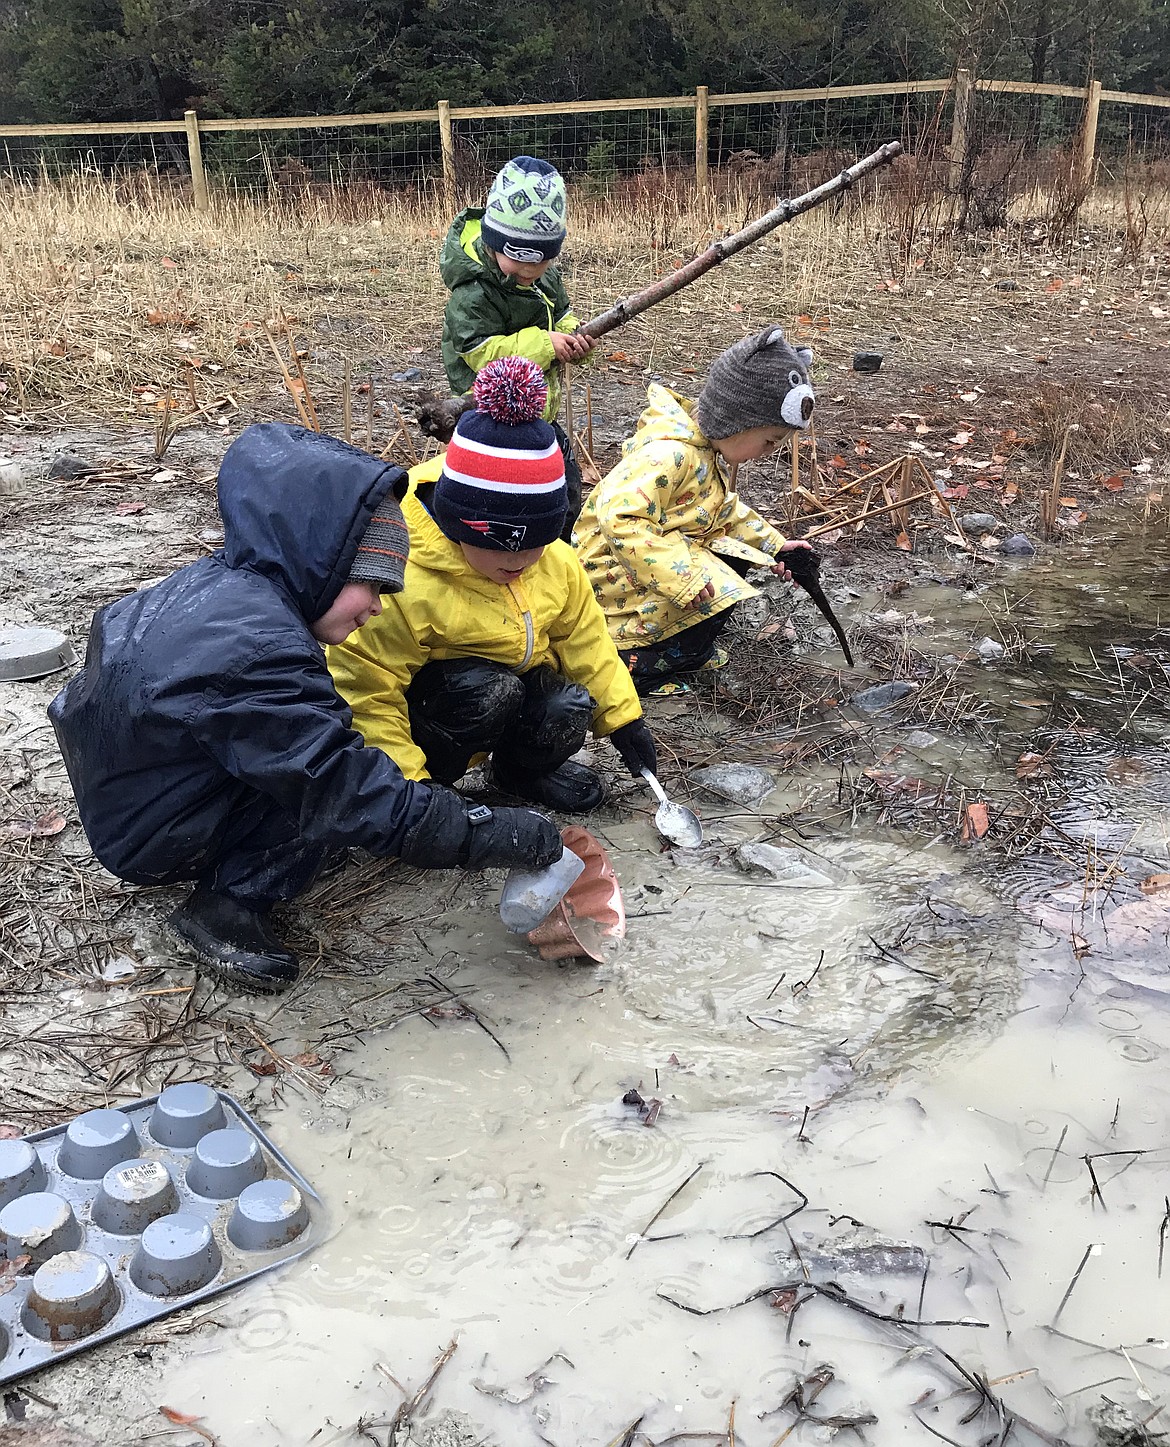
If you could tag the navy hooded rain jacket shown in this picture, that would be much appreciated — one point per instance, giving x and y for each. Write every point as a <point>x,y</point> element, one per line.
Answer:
<point>208,689</point>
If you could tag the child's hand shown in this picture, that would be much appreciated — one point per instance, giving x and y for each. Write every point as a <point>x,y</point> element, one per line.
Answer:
<point>707,592</point>
<point>570,345</point>
<point>779,567</point>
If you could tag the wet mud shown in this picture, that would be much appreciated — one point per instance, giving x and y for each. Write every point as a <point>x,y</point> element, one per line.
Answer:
<point>911,1149</point>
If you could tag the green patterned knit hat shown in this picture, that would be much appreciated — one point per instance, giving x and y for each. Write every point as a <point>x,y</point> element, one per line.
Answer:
<point>526,211</point>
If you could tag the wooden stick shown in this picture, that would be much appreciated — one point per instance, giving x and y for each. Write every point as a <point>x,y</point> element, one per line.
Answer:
<point>288,381</point>
<point>407,1410</point>
<point>794,448</point>
<point>641,301</point>
<point>304,381</point>
<point>406,437</point>
<point>869,513</point>
<point>370,417</point>
<point>566,372</point>
<point>347,403</point>
<point>950,512</point>
<point>589,418</point>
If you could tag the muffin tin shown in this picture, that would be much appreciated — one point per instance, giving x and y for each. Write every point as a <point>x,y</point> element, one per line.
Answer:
<point>128,1215</point>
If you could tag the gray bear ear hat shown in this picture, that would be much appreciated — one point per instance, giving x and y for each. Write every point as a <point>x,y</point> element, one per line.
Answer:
<point>759,382</point>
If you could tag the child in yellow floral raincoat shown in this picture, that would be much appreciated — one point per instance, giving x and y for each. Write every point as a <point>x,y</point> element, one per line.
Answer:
<point>664,540</point>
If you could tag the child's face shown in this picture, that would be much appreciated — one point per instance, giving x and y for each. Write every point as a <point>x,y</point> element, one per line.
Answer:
<point>353,607</point>
<point>502,568</point>
<point>525,272</point>
<point>753,443</point>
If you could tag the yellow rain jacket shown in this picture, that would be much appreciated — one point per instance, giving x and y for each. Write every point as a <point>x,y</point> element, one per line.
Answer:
<point>448,610</point>
<point>650,531</point>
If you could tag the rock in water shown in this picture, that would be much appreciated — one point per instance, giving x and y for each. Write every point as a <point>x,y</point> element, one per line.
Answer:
<point>882,695</point>
<point>1019,545</point>
<point>738,783</point>
<point>1116,1426</point>
<point>979,522</point>
<point>799,868</point>
<point>860,1252</point>
<point>989,650</point>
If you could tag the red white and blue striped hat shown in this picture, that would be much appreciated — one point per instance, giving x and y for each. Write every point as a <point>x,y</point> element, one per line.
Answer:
<point>503,479</point>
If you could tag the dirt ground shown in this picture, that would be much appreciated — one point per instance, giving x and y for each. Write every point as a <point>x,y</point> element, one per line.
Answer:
<point>992,351</point>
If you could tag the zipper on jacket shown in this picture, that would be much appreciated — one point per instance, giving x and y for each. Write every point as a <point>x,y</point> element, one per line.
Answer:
<point>529,633</point>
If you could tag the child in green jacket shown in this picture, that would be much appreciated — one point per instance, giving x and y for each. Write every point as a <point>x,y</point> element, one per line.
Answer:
<point>507,297</point>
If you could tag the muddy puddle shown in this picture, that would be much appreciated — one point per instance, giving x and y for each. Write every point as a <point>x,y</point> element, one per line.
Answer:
<point>910,1080</point>
<point>930,1087</point>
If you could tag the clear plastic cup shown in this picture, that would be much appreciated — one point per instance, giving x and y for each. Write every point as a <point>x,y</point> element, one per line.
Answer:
<point>530,896</point>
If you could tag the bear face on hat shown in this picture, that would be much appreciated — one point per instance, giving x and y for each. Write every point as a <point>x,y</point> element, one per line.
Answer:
<point>761,381</point>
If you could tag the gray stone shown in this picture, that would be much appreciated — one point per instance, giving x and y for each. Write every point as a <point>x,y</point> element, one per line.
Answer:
<point>979,522</point>
<point>920,739</point>
<point>1116,1426</point>
<point>1007,285</point>
<point>882,695</point>
<point>866,361</point>
<point>797,867</point>
<point>857,1252</point>
<point>738,783</point>
<point>412,374</point>
<point>1019,545</point>
<point>67,466</point>
<point>989,650</point>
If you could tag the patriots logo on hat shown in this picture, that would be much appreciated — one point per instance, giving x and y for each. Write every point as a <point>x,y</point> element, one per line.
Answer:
<point>507,535</point>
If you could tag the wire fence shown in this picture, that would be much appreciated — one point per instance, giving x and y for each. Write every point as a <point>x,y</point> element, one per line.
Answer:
<point>995,139</point>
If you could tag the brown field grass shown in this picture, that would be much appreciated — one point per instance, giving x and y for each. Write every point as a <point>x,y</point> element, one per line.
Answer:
<point>119,301</point>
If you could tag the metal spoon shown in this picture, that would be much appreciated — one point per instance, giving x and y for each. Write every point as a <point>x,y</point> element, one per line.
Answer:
<point>674,822</point>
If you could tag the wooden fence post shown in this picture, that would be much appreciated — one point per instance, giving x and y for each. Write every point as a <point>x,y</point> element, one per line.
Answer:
<point>702,112</point>
<point>1087,152</point>
<point>447,141</point>
<point>195,158</point>
<point>960,125</point>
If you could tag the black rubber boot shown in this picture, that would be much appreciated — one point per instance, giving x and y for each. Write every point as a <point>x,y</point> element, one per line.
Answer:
<point>571,788</point>
<point>235,944</point>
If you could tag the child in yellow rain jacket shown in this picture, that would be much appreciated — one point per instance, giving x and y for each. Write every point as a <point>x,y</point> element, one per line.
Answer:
<point>663,538</point>
<point>496,646</point>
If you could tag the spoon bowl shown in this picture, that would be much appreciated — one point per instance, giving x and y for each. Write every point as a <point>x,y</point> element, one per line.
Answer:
<point>677,824</point>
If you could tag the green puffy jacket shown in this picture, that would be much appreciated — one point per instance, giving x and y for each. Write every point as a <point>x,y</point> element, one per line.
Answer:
<point>489,315</point>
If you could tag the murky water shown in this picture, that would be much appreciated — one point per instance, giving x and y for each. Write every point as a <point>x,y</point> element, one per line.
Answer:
<point>927,1051</point>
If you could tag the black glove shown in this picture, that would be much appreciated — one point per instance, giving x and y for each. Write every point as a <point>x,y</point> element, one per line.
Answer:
<point>511,839</point>
<point>450,835</point>
<point>635,743</point>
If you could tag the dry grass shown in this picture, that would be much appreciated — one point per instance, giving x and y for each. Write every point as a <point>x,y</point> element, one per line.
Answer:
<point>106,291</point>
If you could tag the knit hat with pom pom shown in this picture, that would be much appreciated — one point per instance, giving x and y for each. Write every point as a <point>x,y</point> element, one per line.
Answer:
<point>503,479</point>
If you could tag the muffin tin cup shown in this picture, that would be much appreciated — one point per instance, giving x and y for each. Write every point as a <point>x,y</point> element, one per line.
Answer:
<point>40,1225</point>
<point>94,1142</point>
<point>184,1114</point>
<point>115,1248</point>
<point>132,1196</point>
<point>268,1215</point>
<point>225,1163</point>
<point>21,1171</point>
<point>72,1296</point>
<point>177,1255</point>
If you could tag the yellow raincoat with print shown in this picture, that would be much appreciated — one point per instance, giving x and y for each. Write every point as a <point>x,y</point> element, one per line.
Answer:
<point>448,610</point>
<point>650,531</point>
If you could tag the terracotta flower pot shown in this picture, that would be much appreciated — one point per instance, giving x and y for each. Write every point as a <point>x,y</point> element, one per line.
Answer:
<point>591,913</point>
